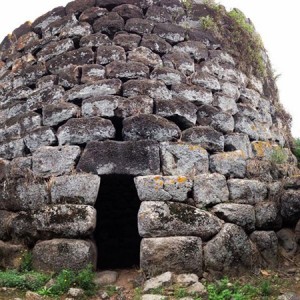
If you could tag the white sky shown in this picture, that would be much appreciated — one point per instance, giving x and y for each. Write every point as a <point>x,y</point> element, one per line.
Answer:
<point>277,22</point>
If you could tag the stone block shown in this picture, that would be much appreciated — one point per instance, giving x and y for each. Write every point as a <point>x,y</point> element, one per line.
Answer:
<point>155,43</point>
<point>177,254</point>
<point>210,189</point>
<point>150,127</point>
<point>92,13</point>
<point>65,220</point>
<point>13,149</point>
<point>238,141</point>
<point>79,6</point>
<point>225,103</point>
<point>163,188</point>
<point>83,130</point>
<point>69,77</point>
<point>59,254</point>
<point>205,80</point>
<point>75,189</point>
<point>242,215</point>
<point>204,136</point>
<point>128,41</point>
<point>197,50</point>
<point>109,23</point>
<point>169,76</point>
<point>92,73</point>
<point>179,61</point>
<point>54,161</point>
<point>139,26</point>
<point>112,157</point>
<point>6,218</point>
<point>127,70</point>
<point>158,14</point>
<point>183,159</point>
<point>247,191</point>
<point>160,219</point>
<point>108,54</point>
<point>145,56</point>
<point>231,164</point>
<point>267,216</point>
<point>290,206</point>
<point>128,11</point>
<point>19,167</point>
<point>11,255</point>
<point>170,32</point>
<point>95,40</point>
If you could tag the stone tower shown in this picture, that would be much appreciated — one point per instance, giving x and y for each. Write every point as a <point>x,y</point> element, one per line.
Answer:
<point>142,133</point>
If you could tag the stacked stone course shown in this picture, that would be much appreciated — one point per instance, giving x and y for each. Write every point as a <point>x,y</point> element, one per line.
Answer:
<point>139,88</point>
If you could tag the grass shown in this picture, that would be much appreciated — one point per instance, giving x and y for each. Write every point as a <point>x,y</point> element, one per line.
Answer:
<point>296,149</point>
<point>278,156</point>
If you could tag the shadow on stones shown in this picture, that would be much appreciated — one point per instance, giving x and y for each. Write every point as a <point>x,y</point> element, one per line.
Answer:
<point>116,234</point>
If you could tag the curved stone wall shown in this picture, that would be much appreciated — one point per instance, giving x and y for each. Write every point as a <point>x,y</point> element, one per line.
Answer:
<point>140,88</point>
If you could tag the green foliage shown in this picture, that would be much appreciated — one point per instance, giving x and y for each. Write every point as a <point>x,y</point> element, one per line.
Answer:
<point>111,290</point>
<point>26,263</point>
<point>278,156</point>
<point>296,148</point>
<point>208,23</point>
<point>137,293</point>
<point>180,292</point>
<point>188,4</point>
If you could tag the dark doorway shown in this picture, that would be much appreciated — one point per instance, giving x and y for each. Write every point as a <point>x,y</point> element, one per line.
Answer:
<point>116,233</point>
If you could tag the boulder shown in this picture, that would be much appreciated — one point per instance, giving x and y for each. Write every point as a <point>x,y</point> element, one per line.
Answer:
<point>13,149</point>
<point>225,103</point>
<point>128,11</point>
<point>231,164</point>
<point>160,219</point>
<point>175,254</point>
<point>106,278</point>
<point>186,279</point>
<point>210,189</point>
<point>160,281</point>
<point>290,206</point>
<point>247,191</point>
<point>59,254</point>
<point>242,215</point>
<point>267,216</point>
<point>6,218</point>
<point>163,188</point>
<point>112,157</point>
<point>75,189</point>
<point>158,14</point>
<point>79,6</point>
<point>150,127</point>
<point>183,159</point>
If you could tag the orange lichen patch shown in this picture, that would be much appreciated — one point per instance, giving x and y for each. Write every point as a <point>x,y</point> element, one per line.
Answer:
<point>194,147</point>
<point>157,177</point>
<point>181,179</point>
<point>261,149</point>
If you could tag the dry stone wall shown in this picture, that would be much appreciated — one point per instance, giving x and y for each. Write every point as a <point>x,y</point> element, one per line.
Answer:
<point>140,88</point>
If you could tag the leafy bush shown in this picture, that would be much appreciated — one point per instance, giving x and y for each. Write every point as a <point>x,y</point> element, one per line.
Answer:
<point>278,156</point>
<point>296,148</point>
<point>26,263</point>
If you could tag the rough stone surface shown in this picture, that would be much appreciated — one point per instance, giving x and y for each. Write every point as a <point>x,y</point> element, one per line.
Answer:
<point>183,159</point>
<point>186,279</point>
<point>75,189</point>
<point>111,157</point>
<point>163,280</point>
<point>290,206</point>
<point>287,241</point>
<point>106,278</point>
<point>210,189</point>
<point>159,219</point>
<point>238,141</point>
<point>11,255</point>
<point>163,188</point>
<point>58,254</point>
<point>267,216</point>
<point>175,254</point>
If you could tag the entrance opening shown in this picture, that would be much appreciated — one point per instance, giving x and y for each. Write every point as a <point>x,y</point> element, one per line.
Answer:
<point>116,233</point>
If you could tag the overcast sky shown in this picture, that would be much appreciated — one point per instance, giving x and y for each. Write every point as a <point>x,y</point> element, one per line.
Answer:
<point>277,22</point>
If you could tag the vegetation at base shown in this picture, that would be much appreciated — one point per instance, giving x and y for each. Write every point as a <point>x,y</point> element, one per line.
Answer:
<point>237,36</point>
<point>63,281</point>
<point>296,149</point>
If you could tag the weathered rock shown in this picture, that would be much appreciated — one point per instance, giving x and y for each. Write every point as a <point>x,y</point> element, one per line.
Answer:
<point>47,81</point>
<point>100,88</point>
<point>170,32</point>
<point>53,161</point>
<point>110,23</point>
<point>259,169</point>
<point>69,76</point>
<point>287,240</point>
<point>231,164</point>
<point>55,114</point>
<point>153,297</point>
<point>6,219</point>
<point>76,292</point>
<point>250,97</point>
<point>181,112</point>
<point>210,189</point>
<point>288,296</point>
<point>152,88</point>
<point>238,141</point>
<point>139,26</point>
<point>168,75</point>
<point>92,13</point>
<point>197,289</point>
<point>163,188</point>
<point>149,127</point>
<point>43,136</point>
<point>107,54</point>
<point>58,254</point>
<point>65,220</point>
<point>205,80</point>
<point>23,194</point>
<point>290,206</point>
<point>205,137</point>
<point>195,94</point>
<point>111,157</point>
<point>75,189</point>
<point>175,254</point>
<point>267,216</point>
<point>145,56</point>
<point>127,70</point>
<point>134,106</point>
<point>186,279</point>
<point>225,103</point>
<point>13,149</point>
<point>83,130</point>
<point>179,61</point>
<point>247,191</point>
<point>79,6</point>
<point>19,167</point>
<point>242,215</point>
<point>11,255</point>
<point>155,43</point>
<point>92,73</point>
<point>158,14</point>
<point>159,219</point>
<point>128,41</point>
<point>183,159</point>
<point>267,244</point>
<point>106,278</point>
<point>230,250</point>
<point>95,40</point>
<point>160,281</point>
<point>32,296</point>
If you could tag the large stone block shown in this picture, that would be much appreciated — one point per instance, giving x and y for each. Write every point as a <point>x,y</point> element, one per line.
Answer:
<point>65,220</point>
<point>247,191</point>
<point>59,254</point>
<point>210,189</point>
<point>169,76</point>
<point>54,161</point>
<point>108,54</point>
<point>158,219</point>
<point>267,216</point>
<point>75,189</point>
<point>155,43</point>
<point>150,127</point>
<point>83,130</point>
<point>95,40</point>
<point>290,206</point>
<point>171,33</point>
<point>230,251</point>
<point>176,254</point>
<point>111,157</point>
<point>110,23</point>
<point>127,70</point>
<point>11,255</point>
<point>183,159</point>
<point>238,141</point>
<point>231,164</point>
<point>6,218</point>
<point>163,188</point>
<point>128,41</point>
<point>12,149</point>
<point>145,56</point>
<point>128,11</point>
<point>242,215</point>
